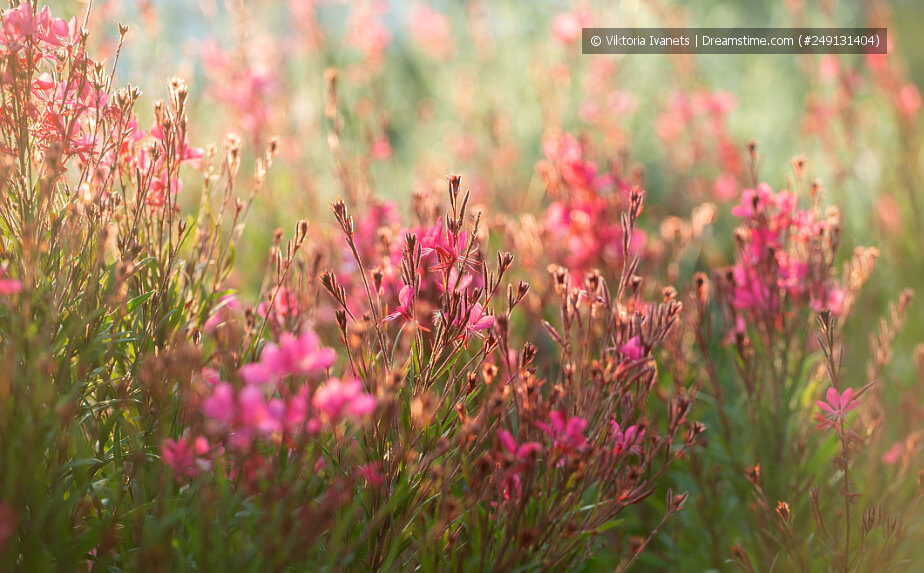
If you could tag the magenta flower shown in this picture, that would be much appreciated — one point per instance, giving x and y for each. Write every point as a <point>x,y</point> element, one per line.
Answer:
<point>300,356</point>
<point>447,248</point>
<point>210,376</point>
<point>219,407</point>
<point>296,414</point>
<point>566,153</point>
<point>753,202</point>
<point>250,412</point>
<point>455,282</point>
<point>405,305</point>
<point>371,473</point>
<point>629,440</point>
<point>633,349</point>
<point>185,457</point>
<point>8,285</point>
<point>258,414</point>
<point>343,399</point>
<point>831,298</point>
<point>223,312</point>
<point>20,23</point>
<point>284,305</point>
<point>567,434</point>
<point>475,321</point>
<point>522,451</point>
<point>750,291</point>
<point>834,410</point>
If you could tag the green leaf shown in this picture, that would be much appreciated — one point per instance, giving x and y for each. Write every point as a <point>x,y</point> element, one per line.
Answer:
<point>609,525</point>
<point>138,301</point>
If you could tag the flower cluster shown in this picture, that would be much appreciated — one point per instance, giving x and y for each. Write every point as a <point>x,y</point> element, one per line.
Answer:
<point>784,256</point>
<point>582,221</point>
<point>276,397</point>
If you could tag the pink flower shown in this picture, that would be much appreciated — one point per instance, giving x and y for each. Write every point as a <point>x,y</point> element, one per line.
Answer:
<point>185,457</point>
<point>474,321</point>
<point>184,152</point>
<point>829,67</point>
<point>163,189</point>
<point>405,305</point>
<point>629,440</point>
<point>567,435</point>
<point>633,349</point>
<point>297,410</point>
<point>371,473</point>
<point>832,298</point>
<point>343,399</point>
<point>10,286</point>
<point>247,83</point>
<point>223,312</point>
<point>909,100</point>
<point>300,356</point>
<point>381,148</point>
<point>523,451</point>
<point>256,414</point>
<point>447,248</point>
<point>284,305</point>
<point>566,153</point>
<point>249,413</point>
<point>726,187</point>
<point>366,31</point>
<point>219,407</point>
<point>431,31</point>
<point>20,23</point>
<point>753,202</point>
<point>750,292</point>
<point>566,26</point>
<point>211,376</point>
<point>477,319</point>
<point>834,410</point>
<point>455,282</point>
<point>893,454</point>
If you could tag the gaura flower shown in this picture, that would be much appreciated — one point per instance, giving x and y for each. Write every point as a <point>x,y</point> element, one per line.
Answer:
<point>405,305</point>
<point>299,356</point>
<point>522,451</point>
<point>567,434</point>
<point>834,409</point>
<point>473,321</point>
<point>185,457</point>
<point>343,399</point>
<point>628,440</point>
<point>633,349</point>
